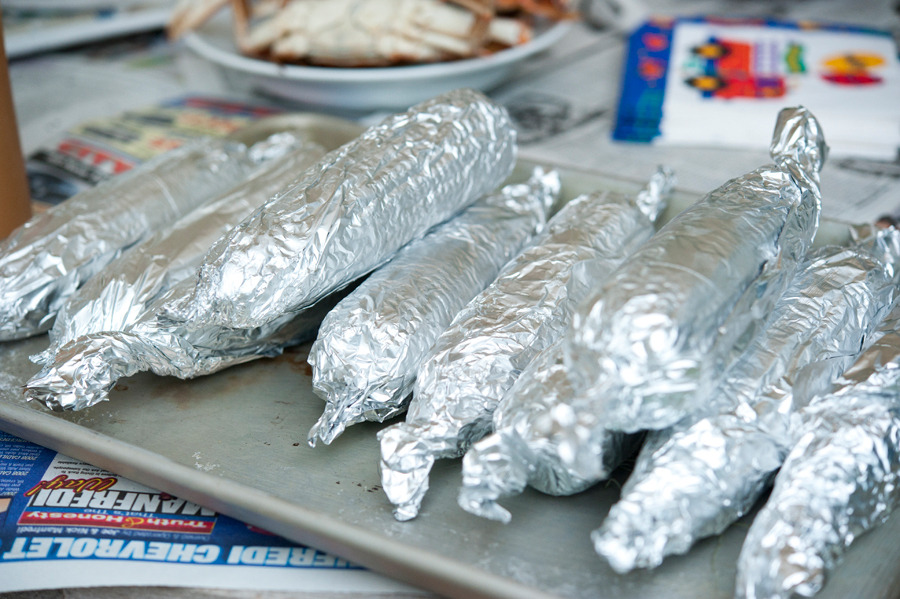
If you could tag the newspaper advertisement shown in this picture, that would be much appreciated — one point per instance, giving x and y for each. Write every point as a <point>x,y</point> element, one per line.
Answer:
<point>97,149</point>
<point>65,523</point>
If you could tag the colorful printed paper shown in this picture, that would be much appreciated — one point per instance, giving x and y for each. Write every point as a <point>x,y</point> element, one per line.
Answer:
<point>721,82</point>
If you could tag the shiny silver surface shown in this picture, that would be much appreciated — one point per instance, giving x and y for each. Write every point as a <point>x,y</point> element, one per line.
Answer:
<point>649,347</point>
<point>839,481</point>
<point>521,451</point>
<point>355,209</point>
<point>119,294</point>
<point>108,328</point>
<point>695,479</point>
<point>48,258</point>
<point>234,441</point>
<point>478,358</point>
<point>370,346</point>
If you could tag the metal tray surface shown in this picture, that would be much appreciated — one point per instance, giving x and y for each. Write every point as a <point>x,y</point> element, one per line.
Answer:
<point>236,442</point>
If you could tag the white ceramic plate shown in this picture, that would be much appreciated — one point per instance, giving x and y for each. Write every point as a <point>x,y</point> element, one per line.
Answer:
<point>366,89</point>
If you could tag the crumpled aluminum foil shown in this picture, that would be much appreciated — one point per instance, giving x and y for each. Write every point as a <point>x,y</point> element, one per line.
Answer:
<point>370,346</point>
<point>86,369</point>
<point>121,291</point>
<point>355,210</point>
<point>478,358</point>
<point>696,479</point>
<point>127,292</point>
<point>839,480</point>
<point>651,345</point>
<point>521,451</point>
<point>47,259</point>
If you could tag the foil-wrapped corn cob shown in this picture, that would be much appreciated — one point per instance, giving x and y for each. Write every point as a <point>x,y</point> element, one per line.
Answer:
<point>355,209</point>
<point>370,346</point>
<point>477,359</point>
<point>127,293</point>
<point>47,259</point>
<point>839,480</point>
<point>86,369</point>
<point>120,293</point>
<point>694,480</point>
<point>651,345</point>
<point>520,451</point>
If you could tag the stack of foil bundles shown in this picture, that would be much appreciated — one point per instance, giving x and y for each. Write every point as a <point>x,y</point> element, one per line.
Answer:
<point>106,326</point>
<point>354,210</point>
<point>696,479</point>
<point>840,479</point>
<point>477,359</point>
<point>737,349</point>
<point>47,259</point>
<point>517,453</point>
<point>370,346</point>
<point>651,345</point>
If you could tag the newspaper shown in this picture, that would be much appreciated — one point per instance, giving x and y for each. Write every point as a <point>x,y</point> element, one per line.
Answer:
<point>63,523</point>
<point>95,150</point>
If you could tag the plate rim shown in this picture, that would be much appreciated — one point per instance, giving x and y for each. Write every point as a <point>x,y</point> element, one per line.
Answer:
<point>195,40</point>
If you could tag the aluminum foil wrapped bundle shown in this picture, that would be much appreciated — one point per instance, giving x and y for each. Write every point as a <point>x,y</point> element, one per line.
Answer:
<point>478,358</point>
<point>127,293</point>
<point>86,369</point>
<point>370,346</point>
<point>356,209</point>
<point>696,479</point>
<point>839,481</point>
<point>649,347</point>
<point>47,259</point>
<point>520,451</point>
<point>119,294</point>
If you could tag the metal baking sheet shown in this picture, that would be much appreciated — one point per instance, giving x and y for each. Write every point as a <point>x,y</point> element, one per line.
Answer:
<point>236,442</point>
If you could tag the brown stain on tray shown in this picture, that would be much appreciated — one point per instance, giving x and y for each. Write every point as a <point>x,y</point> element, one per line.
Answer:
<point>296,361</point>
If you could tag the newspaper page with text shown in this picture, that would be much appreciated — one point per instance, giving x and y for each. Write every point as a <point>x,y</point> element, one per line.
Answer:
<point>65,523</point>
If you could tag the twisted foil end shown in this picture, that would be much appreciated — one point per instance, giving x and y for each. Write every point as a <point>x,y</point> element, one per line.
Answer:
<point>619,545</point>
<point>495,467</point>
<point>84,372</point>
<point>333,421</point>
<point>798,137</point>
<point>542,188</point>
<point>407,456</point>
<point>653,199</point>
<point>881,244</point>
<point>347,411</point>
